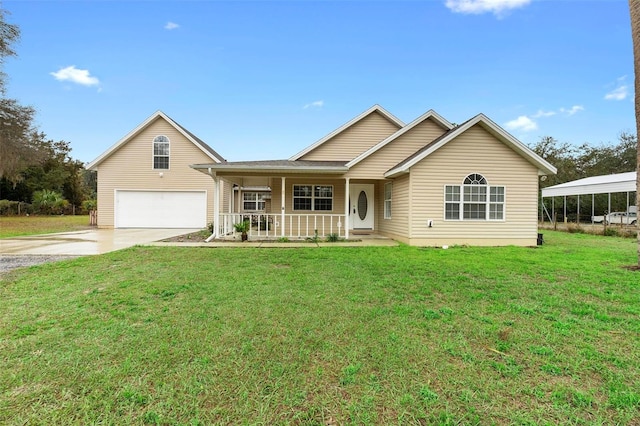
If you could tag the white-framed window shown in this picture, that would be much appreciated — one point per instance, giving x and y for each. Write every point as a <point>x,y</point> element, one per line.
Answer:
<point>475,199</point>
<point>388,193</point>
<point>161,153</point>
<point>253,201</point>
<point>313,197</point>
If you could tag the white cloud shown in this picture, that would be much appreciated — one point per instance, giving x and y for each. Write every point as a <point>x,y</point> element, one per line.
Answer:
<point>497,7</point>
<point>542,113</point>
<point>574,109</point>
<point>316,104</point>
<point>620,92</point>
<point>522,123</point>
<point>527,123</point>
<point>171,26</point>
<point>75,75</point>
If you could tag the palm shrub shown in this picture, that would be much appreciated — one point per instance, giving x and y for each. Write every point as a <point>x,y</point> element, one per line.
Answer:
<point>89,205</point>
<point>48,202</point>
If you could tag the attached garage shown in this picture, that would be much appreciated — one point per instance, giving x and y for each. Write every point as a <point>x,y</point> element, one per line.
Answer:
<point>160,209</point>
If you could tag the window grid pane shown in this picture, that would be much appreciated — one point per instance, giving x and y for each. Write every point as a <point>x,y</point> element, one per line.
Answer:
<point>496,211</point>
<point>302,203</point>
<point>387,209</point>
<point>324,204</point>
<point>161,162</point>
<point>452,193</point>
<point>475,194</point>
<point>452,211</point>
<point>323,191</point>
<point>475,211</point>
<point>497,194</point>
<point>302,190</point>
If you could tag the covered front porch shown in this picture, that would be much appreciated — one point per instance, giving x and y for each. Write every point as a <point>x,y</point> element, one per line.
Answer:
<point>290,200</point>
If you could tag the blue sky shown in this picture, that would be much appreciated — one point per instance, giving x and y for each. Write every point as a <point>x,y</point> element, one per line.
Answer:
<point>263,80</point>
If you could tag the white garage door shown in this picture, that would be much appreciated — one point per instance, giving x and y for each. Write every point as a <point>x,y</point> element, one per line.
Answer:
<point>161,209</point>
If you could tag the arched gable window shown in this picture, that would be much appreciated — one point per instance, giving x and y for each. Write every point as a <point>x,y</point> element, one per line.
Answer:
<point>161,153</point>
<point>475,199</point>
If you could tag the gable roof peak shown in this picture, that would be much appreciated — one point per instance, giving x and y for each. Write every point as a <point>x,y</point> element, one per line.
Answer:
<point>375,108</point>
<point>487,124</point>
<point>429,114</point>
<point>204,147</point>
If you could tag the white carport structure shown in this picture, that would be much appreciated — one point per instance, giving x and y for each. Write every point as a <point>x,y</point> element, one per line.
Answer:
<point>606,184</point>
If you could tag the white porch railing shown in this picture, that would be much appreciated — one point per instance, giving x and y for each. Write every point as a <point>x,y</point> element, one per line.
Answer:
<point>268,225</point>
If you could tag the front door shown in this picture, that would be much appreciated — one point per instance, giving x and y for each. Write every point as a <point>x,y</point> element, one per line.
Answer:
<point>361,210</point>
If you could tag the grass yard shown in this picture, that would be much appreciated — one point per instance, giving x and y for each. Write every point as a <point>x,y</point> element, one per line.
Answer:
<point>317,336</point>
<point>14,226</point>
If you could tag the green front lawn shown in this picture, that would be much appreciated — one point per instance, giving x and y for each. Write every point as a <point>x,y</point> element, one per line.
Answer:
<point>14,226</point>
<point>316,336</point>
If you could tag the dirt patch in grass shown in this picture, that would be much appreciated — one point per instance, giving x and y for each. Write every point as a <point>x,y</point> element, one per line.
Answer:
<point>194,237</point>
<point>632,268</point>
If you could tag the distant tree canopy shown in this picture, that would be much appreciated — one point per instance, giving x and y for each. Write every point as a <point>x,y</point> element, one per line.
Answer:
<point>18,147</point>
<point>577,162</point>
<point>31,163</point>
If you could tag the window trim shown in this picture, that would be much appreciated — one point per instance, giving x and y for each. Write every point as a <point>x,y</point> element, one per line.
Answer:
<point>312,197</point>
<point>154,155</point>
<point>388,202</point>
<point>459,200</point>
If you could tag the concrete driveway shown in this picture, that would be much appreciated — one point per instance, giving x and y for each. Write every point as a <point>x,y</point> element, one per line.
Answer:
<point>82,243</point>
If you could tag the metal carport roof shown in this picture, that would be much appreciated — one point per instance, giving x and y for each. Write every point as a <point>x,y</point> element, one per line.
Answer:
<point>607,184</point>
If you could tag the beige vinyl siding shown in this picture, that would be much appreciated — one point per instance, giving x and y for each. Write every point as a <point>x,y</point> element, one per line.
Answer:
<point>398,225</point>
<point>374,166</point>
<point>354,140</point>
<point>131,167</point>
<point>225,196</point>
<point>475,151</point>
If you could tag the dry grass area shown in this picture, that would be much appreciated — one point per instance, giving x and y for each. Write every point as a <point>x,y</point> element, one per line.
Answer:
<point>625,231</point>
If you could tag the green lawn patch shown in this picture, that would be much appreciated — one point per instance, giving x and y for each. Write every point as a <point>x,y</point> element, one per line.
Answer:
<point>14,226</point>
<point>316,336</point>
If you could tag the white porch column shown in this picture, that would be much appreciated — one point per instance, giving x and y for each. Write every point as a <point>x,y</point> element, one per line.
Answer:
<point>216,208</point>
<point>282,205</point>
<point>347,213</point>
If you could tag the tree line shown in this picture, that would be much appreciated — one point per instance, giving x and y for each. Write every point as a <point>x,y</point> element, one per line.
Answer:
<point>36,173</point>
<point>578,162</point>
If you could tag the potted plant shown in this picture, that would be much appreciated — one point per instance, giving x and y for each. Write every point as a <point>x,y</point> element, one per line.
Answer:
<point>242,227</point>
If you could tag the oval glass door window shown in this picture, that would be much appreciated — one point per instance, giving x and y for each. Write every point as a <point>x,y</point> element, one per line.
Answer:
<point>362,205</point>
